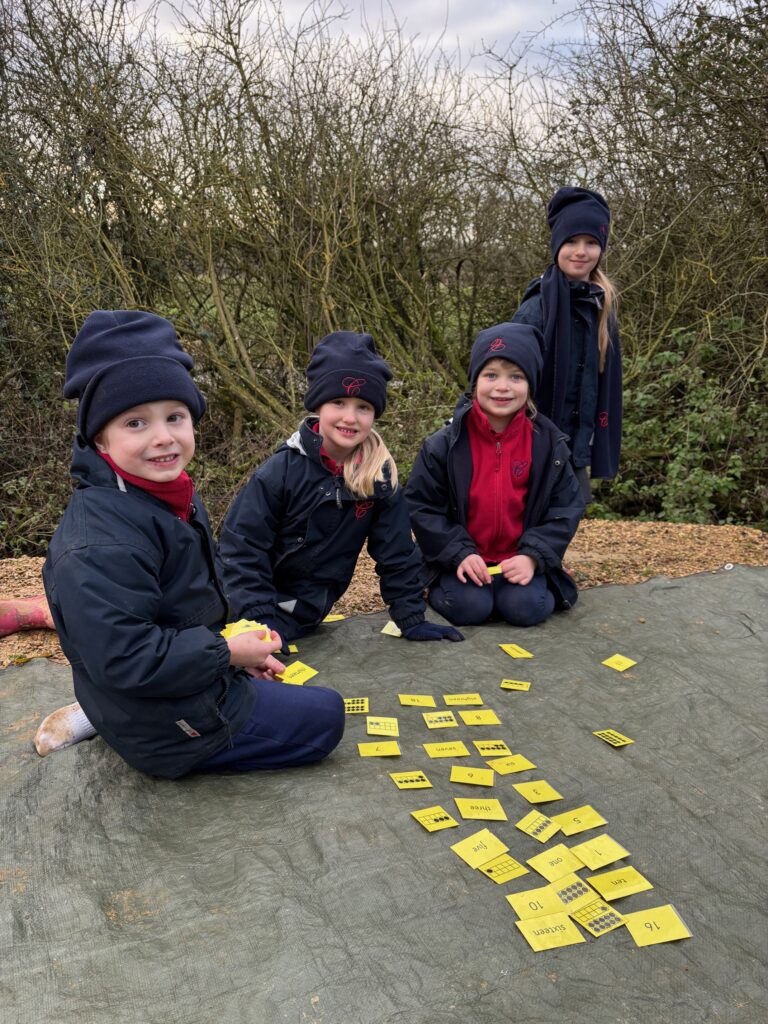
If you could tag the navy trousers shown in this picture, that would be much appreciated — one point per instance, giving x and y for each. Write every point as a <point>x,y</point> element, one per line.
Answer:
<point>466,604</point>
<point>289,725</point>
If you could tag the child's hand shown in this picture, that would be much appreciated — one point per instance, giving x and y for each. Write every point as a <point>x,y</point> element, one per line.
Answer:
<point>254,650</point>
<point>475,568</point>
<point>518,569</point>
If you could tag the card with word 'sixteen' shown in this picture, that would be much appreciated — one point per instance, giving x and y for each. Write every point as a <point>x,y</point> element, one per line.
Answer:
<point>462,699</point>
<point>550,932</point>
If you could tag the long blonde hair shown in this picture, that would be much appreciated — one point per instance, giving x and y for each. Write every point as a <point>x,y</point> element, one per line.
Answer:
<point>369,462</point>
<point>607,313</point>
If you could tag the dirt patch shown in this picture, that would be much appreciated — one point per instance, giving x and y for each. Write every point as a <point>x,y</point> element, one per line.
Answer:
<point>603,551</point>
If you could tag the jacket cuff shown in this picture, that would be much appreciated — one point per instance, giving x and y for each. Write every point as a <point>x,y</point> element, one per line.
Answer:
<point>222,655</point>
<point>458,559</point>
<point>408,621</point>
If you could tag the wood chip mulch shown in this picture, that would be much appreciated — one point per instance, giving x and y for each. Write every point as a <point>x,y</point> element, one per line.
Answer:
<point>602,552</point>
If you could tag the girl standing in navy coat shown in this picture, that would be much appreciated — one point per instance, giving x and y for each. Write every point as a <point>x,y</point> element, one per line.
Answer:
<point>573,304</point>
<point>495,487</point>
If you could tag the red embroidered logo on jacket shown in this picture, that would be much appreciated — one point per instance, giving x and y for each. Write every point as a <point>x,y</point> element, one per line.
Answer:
<point>353,385</point>
<point>496,344</point>
<point>602,419</point>
<point>519,468</point>
<point>362,508</point>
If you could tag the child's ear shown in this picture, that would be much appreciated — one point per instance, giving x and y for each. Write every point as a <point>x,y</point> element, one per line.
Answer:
<point>98,443</point>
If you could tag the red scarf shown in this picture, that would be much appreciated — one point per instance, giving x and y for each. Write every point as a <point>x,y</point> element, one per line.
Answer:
<point>337,468</point>
<point>177,494</point>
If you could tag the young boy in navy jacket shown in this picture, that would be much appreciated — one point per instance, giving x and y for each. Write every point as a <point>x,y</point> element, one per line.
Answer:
<point>132,588</point>
<point>495,488</point>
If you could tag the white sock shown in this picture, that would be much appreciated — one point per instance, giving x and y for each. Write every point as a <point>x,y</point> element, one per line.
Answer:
<point>63,728</point>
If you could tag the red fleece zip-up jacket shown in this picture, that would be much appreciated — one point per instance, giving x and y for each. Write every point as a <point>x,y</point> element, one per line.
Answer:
<point>501,464</point>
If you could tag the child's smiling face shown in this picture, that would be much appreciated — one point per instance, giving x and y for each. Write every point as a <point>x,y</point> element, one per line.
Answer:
<point>155,441</point>
<point>578,257</point>
<point>344,424</point>
<point>501,391</point>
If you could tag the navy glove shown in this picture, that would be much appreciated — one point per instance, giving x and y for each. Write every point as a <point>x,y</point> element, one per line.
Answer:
<point>431,631</point>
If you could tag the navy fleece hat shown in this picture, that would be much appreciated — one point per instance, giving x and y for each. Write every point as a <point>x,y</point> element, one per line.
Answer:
<point>519,343</point>
<point>577,211</point>
<point>121,358</point>
<point>345,365</point>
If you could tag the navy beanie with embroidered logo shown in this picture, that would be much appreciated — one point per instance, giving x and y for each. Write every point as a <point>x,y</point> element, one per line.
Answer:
<point>518,343</point>
<point>577,211</point>
<point>347,365</point>
<point>121,358</point>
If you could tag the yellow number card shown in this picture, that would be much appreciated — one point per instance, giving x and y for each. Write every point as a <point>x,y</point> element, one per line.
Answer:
<point>410,780</point>
<point>459,699</point>
<point>479,848</point>
<point>434,819</point>
<point>573,892</point>
<point>334,618</point>
<point>660,924</point>
<point>550,932</point>
<point>596,853</point>
<point>614,738</point>
<point>579,820</point>
<point>510,765</point>
<point>472,776</point>
<point>598,918</point>
<point>293,649</point>
<point>487,717</point>
<point>297,674</point>
<point>244,626</point>
<point>356,705</point>
<point>538,826</point>
<point>382,726</point>
<point>619,662</point>
<point>535,902</point>
<point>494,570</point>
<point>386,749</point>
<point>515,684</point>
<point>515,651</point>
<point>484,810</point>
<point>491,748</point>
<point>391,629</point>
<point>612,885</point>
<point>538,792</point>
<point>440,719</point>
<point>455,749</point>
<point>416,700</point>
<point>503,869</point>
<point>555,862</point>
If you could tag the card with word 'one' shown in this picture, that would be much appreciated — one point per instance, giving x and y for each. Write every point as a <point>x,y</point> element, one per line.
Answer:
<point>615,739</point>
<point>471,776</point>
<point>515,651</point>
<point>491,748</point>
<point>390,748</point>
<point>597,853</point>
<point>619,662</point>
<point>382,726</point>
<point>356,705</point>
<point>297,673</point>
<point>659,924</point>
<point>555,862</point>
<point>579,820</point>
<point>416,700</point>
<point>538,792</point>
<point>440,719</point>
<point>598,918</point>
<point>410,780</point>
<point>511,764</point>
<point>479,848</point>
<point>462,699</point>
<point>503,869</point>
<point>485,810</point>
<point>485,717</point>
<point>538,826</point>
<point>455,749</point>
<point>434,819</point>
<point>391,629</point>
<point>550,932</point>
<point>515,684</point>
<point>626,881</point>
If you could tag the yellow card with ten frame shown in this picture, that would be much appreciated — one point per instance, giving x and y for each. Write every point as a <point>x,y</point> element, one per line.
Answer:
<point>390,748</point>
<point>515,651</point>
<point>515,684</point>
<point>440,719</point>
<point>538,826</point>
<point>356,705</point>
<point>579,820</point>
<point>491,748</point>
<point>550,932</point>
<point>410,780</point>
<point>434,819</point>
<point>487,717</point>
<point>597,853</point>
<point>381,726</point>
<point>619,662</point>
<point>612,885</point>
<point>416,700</point>
<point>614,738</point>
<point>471,776</point>
<point>503,869</point>
<point>297,673</point>
<point>555,862</point>
<point>573,892</point>
<point>510,765</point>
<point>539,792</point>
<point>455,749</point>
<point>598,918</point>
<point>484,810</point>
<point>459,699</point>
<point>479,848</point>
<point>659,924</point>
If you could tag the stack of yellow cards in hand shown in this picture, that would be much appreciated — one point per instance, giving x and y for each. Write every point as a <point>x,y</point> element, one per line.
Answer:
<point>245,626</point>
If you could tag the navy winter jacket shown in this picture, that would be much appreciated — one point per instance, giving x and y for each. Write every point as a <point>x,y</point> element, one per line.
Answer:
<point>438,497</point>
<point>290,542</point>
<point>137,607</point>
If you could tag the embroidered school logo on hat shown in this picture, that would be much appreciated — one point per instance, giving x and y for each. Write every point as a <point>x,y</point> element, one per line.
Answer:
<point>496,344</point>
<point>362,508</point>
<point>602,419</point>
<point>353,385</point>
